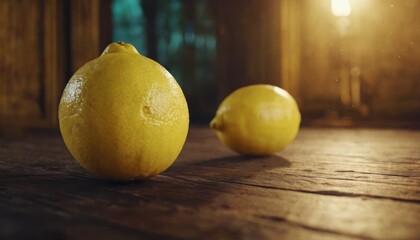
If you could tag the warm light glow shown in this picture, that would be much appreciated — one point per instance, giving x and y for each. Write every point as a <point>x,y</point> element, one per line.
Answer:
<point>340,8</point>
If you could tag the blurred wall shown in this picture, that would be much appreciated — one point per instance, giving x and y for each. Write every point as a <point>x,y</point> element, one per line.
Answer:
<point>31,42</point>
<point>360,67</point>
<point>248,43</point>
<point>42,42</point>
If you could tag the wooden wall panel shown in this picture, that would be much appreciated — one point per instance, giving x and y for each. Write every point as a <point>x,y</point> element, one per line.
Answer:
<point>389,40</point>
<point>21,62</point>
<point>320,59</point>
<point>31,70</point>
<point>42,42</point>
<point>377,57</point>
<point>85,32</point>
<point>248,43</point>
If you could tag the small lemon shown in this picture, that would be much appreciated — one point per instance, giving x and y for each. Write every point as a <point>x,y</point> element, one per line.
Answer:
<point>257,120</point>
<point>123,116</point>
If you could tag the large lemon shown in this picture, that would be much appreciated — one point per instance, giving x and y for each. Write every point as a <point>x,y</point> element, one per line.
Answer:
<point>257,120</point>
<point>123,116</point>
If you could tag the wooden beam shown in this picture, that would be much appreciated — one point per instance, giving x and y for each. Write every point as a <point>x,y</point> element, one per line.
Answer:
<point>85,32</point>
<point>290,47</point>
<point>248,43</point>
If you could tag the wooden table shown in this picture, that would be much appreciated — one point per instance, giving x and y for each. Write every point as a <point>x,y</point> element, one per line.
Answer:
<point>329,184</point>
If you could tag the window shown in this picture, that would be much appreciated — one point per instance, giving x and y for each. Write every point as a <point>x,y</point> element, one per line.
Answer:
<point>178,34</point>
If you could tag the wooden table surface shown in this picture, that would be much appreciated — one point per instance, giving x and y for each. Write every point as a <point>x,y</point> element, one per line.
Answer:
<point>329,184</point>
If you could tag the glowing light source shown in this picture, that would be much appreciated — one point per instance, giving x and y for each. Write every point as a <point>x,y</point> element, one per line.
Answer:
<point>340,8</point>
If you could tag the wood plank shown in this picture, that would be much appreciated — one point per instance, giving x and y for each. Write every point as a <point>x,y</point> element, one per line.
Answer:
<point>85,32</point>
<point>31,69</point>
<point>171,199</point>
<point>21,71</point>
<point>53,65</point>
<point>329,184</point>
<point>248,43</point>
<point>147,213</point>
<point>365,163</point>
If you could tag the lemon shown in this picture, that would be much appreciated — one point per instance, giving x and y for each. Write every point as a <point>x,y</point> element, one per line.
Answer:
<point>257,120</point>
<point>123,116</point>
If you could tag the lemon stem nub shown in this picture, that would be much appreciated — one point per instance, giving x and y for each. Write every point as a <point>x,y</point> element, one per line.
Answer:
<point>216,124</point>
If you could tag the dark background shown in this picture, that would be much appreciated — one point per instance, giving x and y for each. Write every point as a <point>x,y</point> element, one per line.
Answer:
<point>358,70</point>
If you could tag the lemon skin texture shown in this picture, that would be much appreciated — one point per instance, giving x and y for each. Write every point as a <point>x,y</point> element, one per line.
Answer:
<point>123,116</point>
<point>257,120</point>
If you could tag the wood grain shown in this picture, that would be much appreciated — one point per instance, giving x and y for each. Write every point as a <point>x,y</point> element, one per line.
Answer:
<point>248,43</point>
<point>85,32</point>
<point>329,184</point>
<point>21,70</point>
<point>31,70</point>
